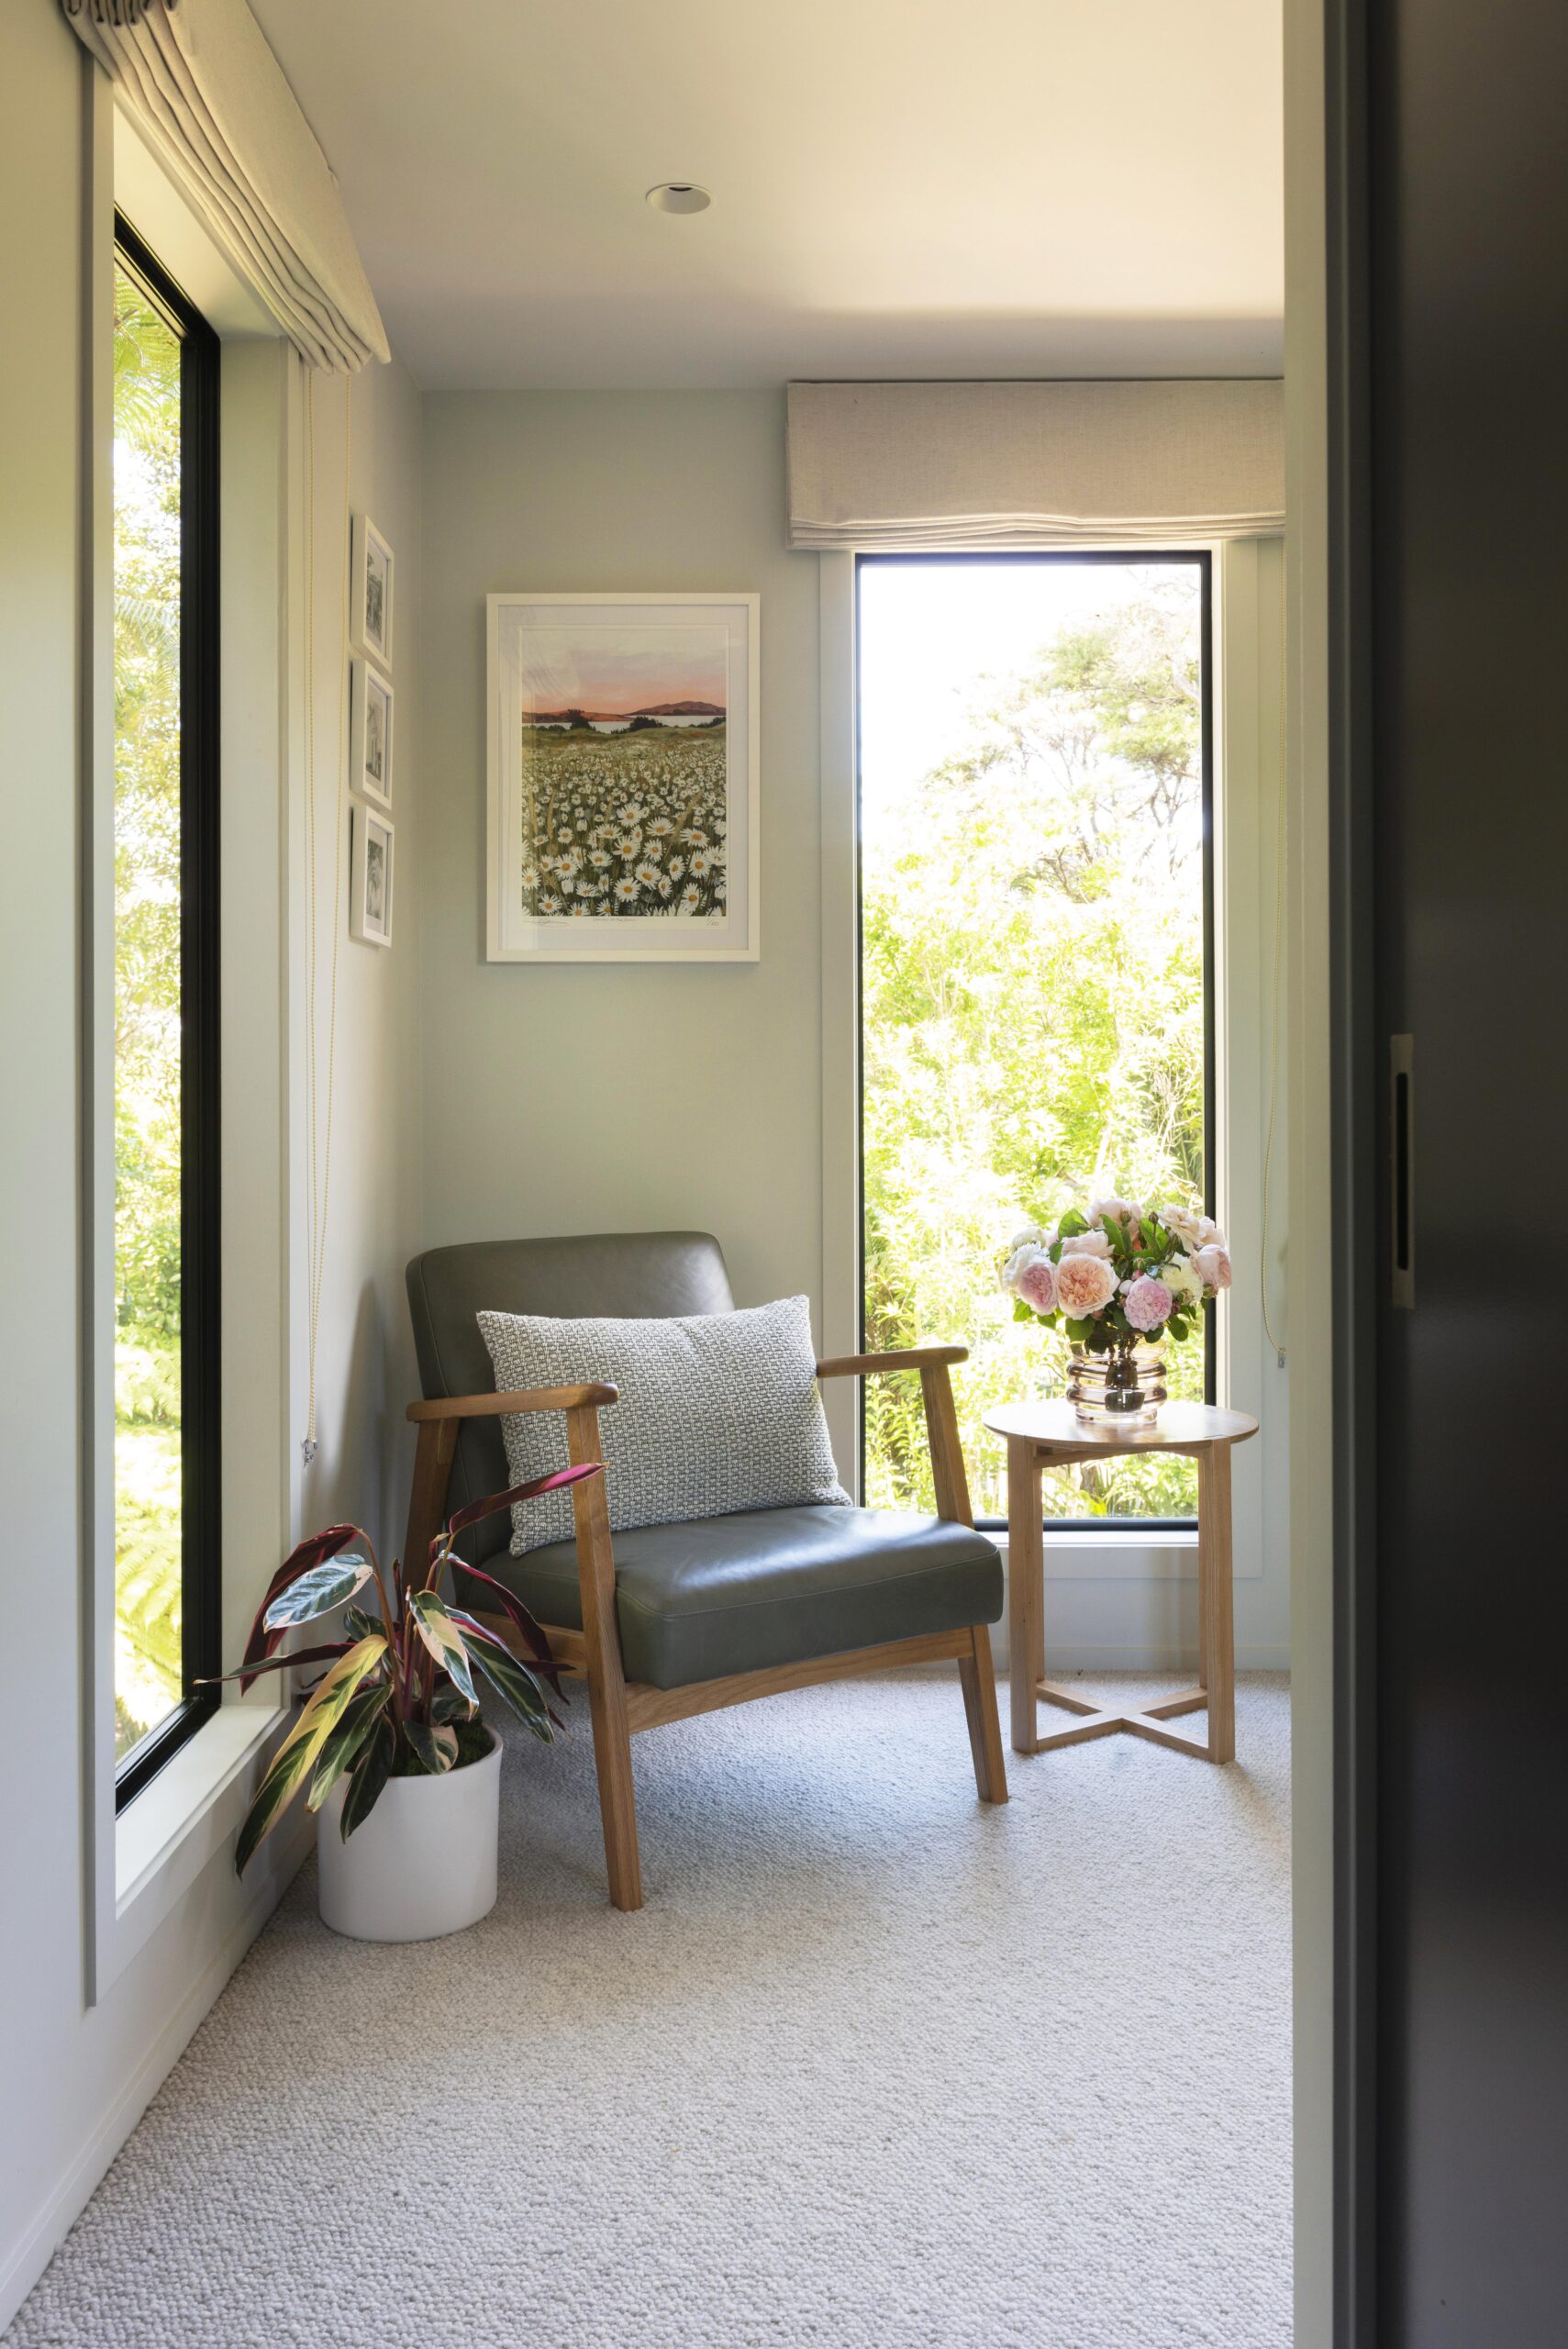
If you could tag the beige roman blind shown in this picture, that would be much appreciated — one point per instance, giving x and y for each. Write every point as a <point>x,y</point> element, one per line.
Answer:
<point>211,100</point>
<point>1034,464</point>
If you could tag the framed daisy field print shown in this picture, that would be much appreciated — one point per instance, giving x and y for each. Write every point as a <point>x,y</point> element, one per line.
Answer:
<point>623,734</point>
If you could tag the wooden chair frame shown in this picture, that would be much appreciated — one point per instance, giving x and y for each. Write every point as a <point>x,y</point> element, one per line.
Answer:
<point>618,1707</point>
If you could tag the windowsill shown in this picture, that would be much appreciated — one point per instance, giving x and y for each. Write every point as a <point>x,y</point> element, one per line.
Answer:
<point>1074,1531</point>
<point>1100,1554</point>
<point>181,1822</point>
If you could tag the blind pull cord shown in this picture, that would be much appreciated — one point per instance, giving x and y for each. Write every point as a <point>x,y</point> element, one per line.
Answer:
<point>318,1126</point>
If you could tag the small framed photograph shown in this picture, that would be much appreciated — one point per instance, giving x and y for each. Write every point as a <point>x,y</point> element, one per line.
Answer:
<point>370,733</point>
<point>369,614</point>
<point>369,877</point>
<point>623,742</point>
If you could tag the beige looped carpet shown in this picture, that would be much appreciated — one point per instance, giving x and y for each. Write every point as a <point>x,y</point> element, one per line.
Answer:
<point>875,2068</point>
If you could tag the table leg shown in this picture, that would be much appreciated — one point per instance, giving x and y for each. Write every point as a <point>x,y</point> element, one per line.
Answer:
<point>1026,1588</point>
<point>1217,1621</point>
<point>1037,1660</point>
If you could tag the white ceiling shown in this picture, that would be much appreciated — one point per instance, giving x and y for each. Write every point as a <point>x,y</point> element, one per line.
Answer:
<point>901,187</point>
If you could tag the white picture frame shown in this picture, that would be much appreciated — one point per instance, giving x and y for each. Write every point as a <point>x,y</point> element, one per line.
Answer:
<point>372,579</point>
<point>370,733</point>
<point>371,846</point>
<point>586,698</point>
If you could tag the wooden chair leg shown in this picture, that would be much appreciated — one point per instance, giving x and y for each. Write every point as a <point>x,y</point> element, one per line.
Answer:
<point>975,1670</point>
<point>607,1676</point>
<point>979,1680</point>
<point>617,1798</point>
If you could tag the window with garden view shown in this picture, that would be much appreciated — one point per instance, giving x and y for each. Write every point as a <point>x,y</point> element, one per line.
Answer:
<point>165,1004</point>
<point>1035,966</point>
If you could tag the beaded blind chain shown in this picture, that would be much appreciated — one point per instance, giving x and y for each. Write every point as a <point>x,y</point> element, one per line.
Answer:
<point>318,1122</point>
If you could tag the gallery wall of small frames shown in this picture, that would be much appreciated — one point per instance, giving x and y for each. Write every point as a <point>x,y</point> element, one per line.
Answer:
<point>372,733</point>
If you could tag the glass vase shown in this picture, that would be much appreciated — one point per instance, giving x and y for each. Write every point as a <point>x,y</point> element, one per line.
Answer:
<point>1124,1386</point>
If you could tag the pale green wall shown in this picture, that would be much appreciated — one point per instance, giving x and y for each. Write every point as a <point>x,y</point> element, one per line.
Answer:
<point>582,1099</point>
<point>365,1372</point>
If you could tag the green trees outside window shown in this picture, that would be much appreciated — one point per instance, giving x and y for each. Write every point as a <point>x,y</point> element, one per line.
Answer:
<point>1033,965</point>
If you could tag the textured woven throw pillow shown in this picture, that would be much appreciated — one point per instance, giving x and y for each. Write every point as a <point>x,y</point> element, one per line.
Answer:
<point>717,1412</point>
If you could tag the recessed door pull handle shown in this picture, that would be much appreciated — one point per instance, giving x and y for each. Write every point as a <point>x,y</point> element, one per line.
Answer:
<point>1402,1115</point>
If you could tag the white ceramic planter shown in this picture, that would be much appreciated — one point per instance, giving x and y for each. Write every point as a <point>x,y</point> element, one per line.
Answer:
<point>422,1864</point>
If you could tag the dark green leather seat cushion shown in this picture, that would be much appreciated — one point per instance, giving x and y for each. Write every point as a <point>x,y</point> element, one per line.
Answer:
<point>778,1585</point>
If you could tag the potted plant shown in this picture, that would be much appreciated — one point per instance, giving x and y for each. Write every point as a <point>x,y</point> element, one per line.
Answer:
<point>390,1748</point>
<point>1121,1280</point>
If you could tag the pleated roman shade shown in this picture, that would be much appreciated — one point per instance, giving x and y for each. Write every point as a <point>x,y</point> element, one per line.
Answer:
<point>1065,464</point>
<point>211,100</point>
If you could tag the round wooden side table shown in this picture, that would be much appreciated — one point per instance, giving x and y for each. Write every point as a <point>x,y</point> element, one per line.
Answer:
<point>1052,1435</point>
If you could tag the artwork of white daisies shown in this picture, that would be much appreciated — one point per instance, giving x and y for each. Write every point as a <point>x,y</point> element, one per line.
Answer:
<point>623,778</point>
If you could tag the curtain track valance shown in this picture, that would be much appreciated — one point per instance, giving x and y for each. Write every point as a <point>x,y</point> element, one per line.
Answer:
<point>1034,464</point>
<point>211,100</point>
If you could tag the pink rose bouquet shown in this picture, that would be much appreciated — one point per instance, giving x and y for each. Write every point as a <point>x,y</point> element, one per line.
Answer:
<point>1117,1273</point>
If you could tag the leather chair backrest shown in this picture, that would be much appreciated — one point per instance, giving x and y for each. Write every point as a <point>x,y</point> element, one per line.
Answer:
<point>630,1275</point>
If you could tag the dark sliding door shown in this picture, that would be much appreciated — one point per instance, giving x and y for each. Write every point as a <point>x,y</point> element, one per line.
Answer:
<point>1454,1045</point>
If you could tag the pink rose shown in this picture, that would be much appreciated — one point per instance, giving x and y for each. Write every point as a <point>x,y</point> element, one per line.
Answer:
<point>1036,1285</point>
<point>1084,1284</point>
<point>1194,1231</point>
<point>1087,1243</point>
<point>1213,1267</point>
<point>1112,1210</point>
<point>1147,1303</point>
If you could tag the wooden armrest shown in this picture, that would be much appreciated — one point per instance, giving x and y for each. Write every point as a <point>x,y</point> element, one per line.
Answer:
<point>523,1398</point>
<point>912,1358</point>
<point>941,1420</point>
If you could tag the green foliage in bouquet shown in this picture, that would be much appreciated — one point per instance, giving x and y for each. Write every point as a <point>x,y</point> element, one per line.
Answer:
<point>1118,1273</point>
<point>1143,1245</point>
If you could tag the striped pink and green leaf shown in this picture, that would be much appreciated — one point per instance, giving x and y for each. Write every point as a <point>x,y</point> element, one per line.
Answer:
<point>297,1656</point>
<point>508,1675</point>
<point>441,1637</point>
<point>516,1612</point>
<point>369,1776</point>
<point>472,1513</point>
<point>360,1718</point>
<point>300,1750</point>
<point>317,1591</point>
<point>435,1748</point>
<point>263,1644</point>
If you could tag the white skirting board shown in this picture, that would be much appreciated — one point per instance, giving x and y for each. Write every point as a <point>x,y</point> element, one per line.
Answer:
<point>69,2197</point>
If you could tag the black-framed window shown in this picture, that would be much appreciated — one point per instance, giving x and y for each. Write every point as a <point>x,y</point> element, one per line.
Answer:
<point>1037,962</point>
<point>168,1558</point>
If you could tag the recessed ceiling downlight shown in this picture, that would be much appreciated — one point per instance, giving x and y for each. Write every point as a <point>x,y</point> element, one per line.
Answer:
<point>678,196</point>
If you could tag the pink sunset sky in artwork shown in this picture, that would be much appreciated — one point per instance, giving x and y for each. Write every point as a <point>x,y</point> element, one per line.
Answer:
<point>612,672</point>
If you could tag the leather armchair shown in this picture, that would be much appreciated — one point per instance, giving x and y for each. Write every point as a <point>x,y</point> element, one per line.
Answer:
<point>671,1621</point>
